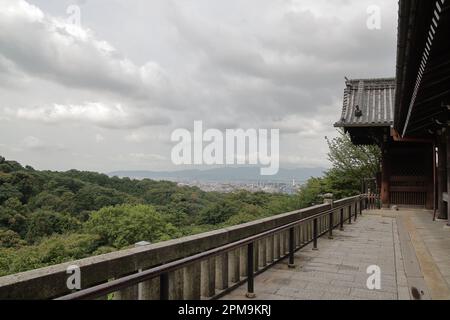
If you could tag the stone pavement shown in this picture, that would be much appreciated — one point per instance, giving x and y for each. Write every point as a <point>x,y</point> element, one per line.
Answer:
<point>412,251</point>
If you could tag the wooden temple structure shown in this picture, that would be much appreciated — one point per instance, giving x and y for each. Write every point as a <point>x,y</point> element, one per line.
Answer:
<point>408,116</point>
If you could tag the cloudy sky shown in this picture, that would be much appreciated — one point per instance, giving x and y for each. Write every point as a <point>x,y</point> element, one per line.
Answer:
<point>106,95</point>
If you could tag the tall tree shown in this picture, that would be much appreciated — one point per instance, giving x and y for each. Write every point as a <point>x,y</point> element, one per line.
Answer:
<point>351,164</point>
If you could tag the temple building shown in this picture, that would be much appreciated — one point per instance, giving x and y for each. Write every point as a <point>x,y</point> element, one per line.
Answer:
<point>407,117</point>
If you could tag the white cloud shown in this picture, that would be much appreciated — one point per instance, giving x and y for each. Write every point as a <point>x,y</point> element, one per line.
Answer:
<point>96,113</point>
<point>149,157</point>
<point>32,143</point>
<point>136,137</point>
<point>99,138</point>
<point>307,161</point>
<point>36,144</point>
<point>72,55</point>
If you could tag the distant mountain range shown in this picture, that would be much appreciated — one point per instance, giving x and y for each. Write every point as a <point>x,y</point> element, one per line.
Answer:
<point>226,174</point>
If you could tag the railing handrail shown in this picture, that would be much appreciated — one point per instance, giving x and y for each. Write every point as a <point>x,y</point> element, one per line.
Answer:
<point>133,279</point>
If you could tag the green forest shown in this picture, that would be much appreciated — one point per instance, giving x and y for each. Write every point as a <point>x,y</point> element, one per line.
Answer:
<point>51,217</point>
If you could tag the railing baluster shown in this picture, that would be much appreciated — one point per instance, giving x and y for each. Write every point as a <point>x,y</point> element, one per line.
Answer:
<point>330,227</point>
<point>308,231</point>
<point>262,258</point>
<point>256,256</point>
<point>349,214</point>
<point>276,246</point>
<point>270,248</point>
<point>130,293</point>
<point>191,282</point>
<point>222,271</point>
<point>208,278</point>
<point>282,251</point>
<point>233,266</point>
<point>286,242</point>
<point>149,290</point>
<point>164,286</point>
<point>308,228</point>
<point>176,285</point>
<point>342,219</point>
<point>356,211</point>
<point>291,248</point>
<point>243,261</point>
<point>250,268</point>
<point>315,234</point>
<point>302,234</point>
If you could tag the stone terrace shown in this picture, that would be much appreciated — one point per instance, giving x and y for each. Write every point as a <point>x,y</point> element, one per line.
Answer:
<point>411,250</point>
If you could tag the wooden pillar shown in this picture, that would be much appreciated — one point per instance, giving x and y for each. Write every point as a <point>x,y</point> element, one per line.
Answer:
<point>448,170</point>
<point>442,176</point>
<point>435,186</point>
<point>385,174</point>
<point>431,183</point>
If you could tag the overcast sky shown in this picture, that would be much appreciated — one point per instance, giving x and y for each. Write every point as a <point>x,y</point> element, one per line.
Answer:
<point>108,95</point>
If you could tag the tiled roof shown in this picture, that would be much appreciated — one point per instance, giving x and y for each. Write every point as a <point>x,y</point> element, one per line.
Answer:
<point>374,98</point>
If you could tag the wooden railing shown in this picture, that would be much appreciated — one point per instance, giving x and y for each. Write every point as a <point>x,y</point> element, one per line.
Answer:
<point>204,266</point>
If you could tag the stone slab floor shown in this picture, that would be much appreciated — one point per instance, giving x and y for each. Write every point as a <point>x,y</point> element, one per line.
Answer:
<point>412,251</point>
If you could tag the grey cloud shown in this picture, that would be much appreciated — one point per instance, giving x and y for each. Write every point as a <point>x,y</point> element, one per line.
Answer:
<point>298,66</point>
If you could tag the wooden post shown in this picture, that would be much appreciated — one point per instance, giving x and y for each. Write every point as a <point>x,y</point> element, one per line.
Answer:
<point>435,186</point>
<point>431,183</point>
<point>448,173</point>
<point>315,234</point>
<point>385,199</point>
<point>441,177</point>
<point>291,264</point>
<point>250,268</point>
